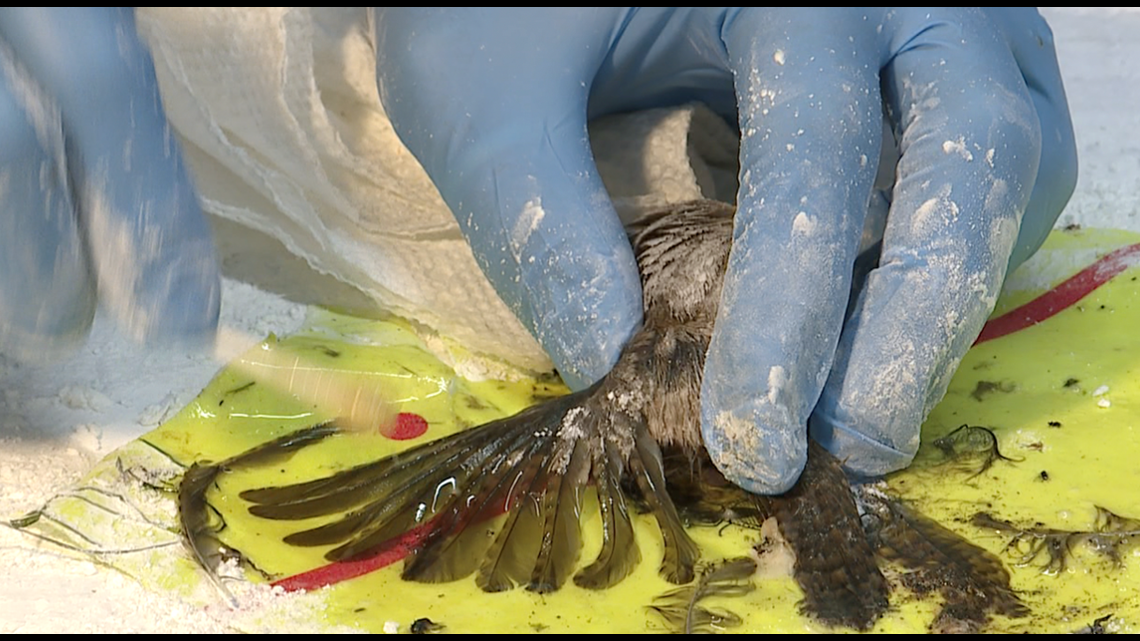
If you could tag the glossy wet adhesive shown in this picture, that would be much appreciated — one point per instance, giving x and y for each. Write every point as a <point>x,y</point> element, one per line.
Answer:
<point>1059,397</point>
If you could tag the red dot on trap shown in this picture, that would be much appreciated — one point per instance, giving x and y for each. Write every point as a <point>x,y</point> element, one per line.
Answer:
<point>408,426</point>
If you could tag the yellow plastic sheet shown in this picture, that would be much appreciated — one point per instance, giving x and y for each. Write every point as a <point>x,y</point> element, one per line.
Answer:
<point>1062,397</point>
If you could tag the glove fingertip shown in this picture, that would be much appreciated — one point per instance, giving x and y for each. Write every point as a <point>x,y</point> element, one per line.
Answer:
<point>745,448</point>
<point>585,338</point>
<point>861,454</point>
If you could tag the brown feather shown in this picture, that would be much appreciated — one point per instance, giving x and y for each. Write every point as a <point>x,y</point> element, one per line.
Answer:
<point>619,554</point>
<point>199,533</point>
<point>681,607</point>
<point>973,582</point>
<point>451,551</point>
<point>510,561</point>
<point>835,565</point>
<point>681,553</point>
<point>562,538</point>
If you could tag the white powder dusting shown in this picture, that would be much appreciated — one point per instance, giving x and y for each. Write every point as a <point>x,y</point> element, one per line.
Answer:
<point>744,444</point>
<point>997,194</point>
<point>82,397</point>
<point>56,419</point>
<point>158,413</point>
<point>933,215</point>
<point>957,147</point>
<point>777,380</point>
<point>571,427</point>
<point>926,211</point>
<point>803,224</point>
<point>528,221</point>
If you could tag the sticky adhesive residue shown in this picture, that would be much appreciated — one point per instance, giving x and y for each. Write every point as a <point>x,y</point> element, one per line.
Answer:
<point>1063,458</point>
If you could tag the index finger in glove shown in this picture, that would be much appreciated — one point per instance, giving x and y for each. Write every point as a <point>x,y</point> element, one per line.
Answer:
<point>811,128</point>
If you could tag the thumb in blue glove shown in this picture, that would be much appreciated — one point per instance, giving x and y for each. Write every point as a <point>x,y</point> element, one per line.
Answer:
<point>96,202</point>
<point>492,102</point>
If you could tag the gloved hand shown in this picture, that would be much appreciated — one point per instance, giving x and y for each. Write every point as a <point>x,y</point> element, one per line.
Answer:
<point>494,105</point>
<point>95,202</point>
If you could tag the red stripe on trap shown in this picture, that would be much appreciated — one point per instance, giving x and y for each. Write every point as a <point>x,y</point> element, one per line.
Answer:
<point>1062,296</point>
<point>389,552</point>
<point>407,427</point>
<point>333,573</point>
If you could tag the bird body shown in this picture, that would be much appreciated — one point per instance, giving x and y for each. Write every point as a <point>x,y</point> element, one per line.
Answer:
<point>633,437</point>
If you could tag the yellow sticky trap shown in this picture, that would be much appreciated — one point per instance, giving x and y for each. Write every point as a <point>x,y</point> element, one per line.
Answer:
<point>1061,398</point>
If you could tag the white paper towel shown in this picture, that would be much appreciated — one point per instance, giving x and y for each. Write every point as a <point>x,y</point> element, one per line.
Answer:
<point>282,125</point>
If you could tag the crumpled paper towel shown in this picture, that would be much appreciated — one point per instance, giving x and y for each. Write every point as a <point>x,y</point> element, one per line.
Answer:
<point>282,125</point>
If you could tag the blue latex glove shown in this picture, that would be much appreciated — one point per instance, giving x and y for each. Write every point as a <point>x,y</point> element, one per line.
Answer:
<point>494,104</point>
<point>95,203</point>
